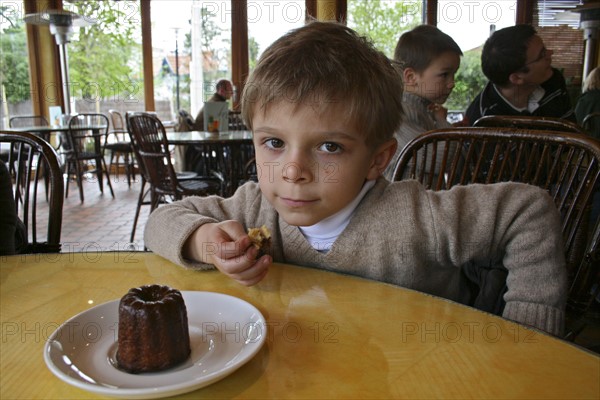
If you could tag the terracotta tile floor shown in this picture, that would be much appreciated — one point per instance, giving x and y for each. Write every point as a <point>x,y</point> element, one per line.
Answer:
<point>100,223</point>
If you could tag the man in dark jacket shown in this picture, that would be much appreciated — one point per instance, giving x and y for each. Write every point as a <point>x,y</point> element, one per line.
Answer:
<point>521,78</point>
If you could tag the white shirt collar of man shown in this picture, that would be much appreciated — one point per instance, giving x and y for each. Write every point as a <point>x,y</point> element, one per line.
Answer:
<point>533,102</point>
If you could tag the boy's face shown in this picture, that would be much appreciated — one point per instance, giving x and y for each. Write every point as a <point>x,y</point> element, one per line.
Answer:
<point>311,167</point>
<point>436,82</point>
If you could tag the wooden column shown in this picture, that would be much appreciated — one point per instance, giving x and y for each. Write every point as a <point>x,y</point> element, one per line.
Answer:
<point>147,56</point>
<point>431,9</point>
<point>239,47</point>
<point>44,62</point>
<point>525,11</point>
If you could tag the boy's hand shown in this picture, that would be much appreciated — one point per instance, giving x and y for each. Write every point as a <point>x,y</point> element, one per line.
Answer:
<point>438,112</point>
<point>227,245</point>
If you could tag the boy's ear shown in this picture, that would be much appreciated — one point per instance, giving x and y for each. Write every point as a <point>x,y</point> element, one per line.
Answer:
<point>381,158</point>
<point>409,76</point>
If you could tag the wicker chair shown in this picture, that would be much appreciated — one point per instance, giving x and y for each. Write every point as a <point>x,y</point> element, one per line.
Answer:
<point>83,145</point>
<point>591,123</point>
<point>567,165</point>
<point>26,156</point>
<point>528,122</point>
<point>151,149</point>
<point>118,144</point>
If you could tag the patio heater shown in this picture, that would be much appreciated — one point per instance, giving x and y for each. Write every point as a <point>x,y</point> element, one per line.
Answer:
<point>61,25</point>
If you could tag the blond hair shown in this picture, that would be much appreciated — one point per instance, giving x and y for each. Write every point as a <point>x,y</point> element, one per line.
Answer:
<point>329,67</point>
<point>592,82</point>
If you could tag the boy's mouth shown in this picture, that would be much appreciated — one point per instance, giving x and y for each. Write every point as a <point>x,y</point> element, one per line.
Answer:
<point>296,203</point>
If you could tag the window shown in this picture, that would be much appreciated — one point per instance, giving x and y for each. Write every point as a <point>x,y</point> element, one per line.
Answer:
<point>482,18</point>
<point>267,21</point>
<point>105,59</point>
<point>14,67</point>
<point>383,21</point>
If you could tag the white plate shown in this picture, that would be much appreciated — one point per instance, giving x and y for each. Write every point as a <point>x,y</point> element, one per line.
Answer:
<point>225,333</point>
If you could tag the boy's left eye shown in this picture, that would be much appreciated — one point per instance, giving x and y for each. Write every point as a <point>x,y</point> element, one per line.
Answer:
<point>330,147</point>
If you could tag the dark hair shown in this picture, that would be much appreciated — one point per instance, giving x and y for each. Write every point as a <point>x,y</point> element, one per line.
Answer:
<point>418,47</point>
<point>330,67</point>
<point>505,52</point>
<point>222,84</point>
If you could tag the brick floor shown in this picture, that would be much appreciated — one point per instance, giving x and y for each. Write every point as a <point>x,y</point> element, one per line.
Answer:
<point>100,223</point>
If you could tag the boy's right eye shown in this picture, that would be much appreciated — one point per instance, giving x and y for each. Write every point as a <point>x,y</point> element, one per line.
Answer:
<point>274,143</point>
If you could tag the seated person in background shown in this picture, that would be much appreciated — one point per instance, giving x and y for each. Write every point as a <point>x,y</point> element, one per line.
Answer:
<point>429,59</point>
<point>323,140</point>
<point>224,91</point>
<point>589,102</point>
<point>521,78</point>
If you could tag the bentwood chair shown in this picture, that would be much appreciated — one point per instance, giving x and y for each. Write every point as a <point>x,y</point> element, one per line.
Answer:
<point>25,159</point>
<point>151,149</point>
<point>528,122</point>
<point>567,165</point>
<point>118,144</point>
<point>591,123</point>
<point>83,150</point>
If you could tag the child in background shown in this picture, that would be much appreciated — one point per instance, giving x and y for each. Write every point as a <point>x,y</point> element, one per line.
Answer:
<point>323,130</point>
<point>429,59</point>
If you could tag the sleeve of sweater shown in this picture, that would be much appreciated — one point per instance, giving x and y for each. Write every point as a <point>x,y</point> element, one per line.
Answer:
<point>518,226</point>
<point>169,226</point>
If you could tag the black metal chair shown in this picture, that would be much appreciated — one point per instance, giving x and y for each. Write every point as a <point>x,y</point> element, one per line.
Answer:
<point>151,149</point>
<point>24,121</point>
<point>28,153</point>
<point>118,144</point>
<point>83,147</point>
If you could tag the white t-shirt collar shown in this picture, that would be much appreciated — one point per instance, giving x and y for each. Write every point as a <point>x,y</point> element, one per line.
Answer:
<point>323,234</point>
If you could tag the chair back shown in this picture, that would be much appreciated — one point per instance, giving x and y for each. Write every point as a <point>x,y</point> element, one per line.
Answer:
<point>118,130</point>
<point>24,121</point>
<point>236,123</point>
<point>28,158</point>
<point>151,148</point>
<point>86,135</point>
<point>591,123</point>
<point>567,165</point>
<point>528,122</point>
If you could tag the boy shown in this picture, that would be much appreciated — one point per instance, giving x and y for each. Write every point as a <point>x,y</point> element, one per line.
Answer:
<point>429,60</point>
<point>521,78</point>
<point>323,105</point>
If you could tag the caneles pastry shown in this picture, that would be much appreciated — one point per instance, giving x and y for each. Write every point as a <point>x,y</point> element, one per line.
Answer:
<point>261,239</point>
<point>153,329</point>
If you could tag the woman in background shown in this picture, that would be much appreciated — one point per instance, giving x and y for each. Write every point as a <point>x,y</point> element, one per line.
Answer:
<point>589,102</point>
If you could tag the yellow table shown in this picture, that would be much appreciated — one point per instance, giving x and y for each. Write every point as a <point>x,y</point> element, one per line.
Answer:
<point>329,336</point>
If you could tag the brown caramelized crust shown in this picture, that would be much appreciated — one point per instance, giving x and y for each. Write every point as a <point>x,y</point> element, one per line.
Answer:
<point>153,329</point>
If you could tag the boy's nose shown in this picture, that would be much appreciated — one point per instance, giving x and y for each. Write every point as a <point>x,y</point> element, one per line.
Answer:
<point>298,168</point>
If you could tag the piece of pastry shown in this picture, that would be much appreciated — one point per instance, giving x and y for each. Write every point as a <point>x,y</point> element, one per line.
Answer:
<point>153,329</point>
<point>261,239</point>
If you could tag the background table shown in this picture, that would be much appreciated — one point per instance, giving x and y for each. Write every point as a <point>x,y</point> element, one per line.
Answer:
<point>234,148</point>
<point>329,336</point>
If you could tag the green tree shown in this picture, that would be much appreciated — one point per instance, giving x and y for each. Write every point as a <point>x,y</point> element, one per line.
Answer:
<point>469,81</point>
<point>14,67</point>
<point>101,55</point>
<point>384,20</point>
